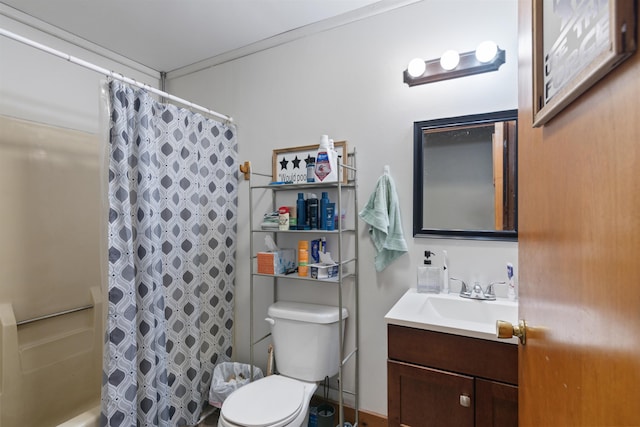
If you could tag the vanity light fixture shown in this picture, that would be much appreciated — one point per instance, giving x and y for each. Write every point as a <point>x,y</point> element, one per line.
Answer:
<point>487,57</point>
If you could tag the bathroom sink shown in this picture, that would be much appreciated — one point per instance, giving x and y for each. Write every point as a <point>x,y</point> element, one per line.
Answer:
<point>452,314</point>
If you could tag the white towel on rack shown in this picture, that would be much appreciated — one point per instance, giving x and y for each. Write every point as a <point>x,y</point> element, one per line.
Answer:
<point>382,213</point>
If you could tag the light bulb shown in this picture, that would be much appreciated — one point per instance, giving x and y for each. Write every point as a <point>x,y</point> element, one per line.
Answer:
<point>449,60</point>
<point>416,67</point>
<point>486,51</point>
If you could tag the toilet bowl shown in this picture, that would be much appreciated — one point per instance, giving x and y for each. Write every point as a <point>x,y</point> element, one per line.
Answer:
<point>306,340</point>
<point>274,401</point>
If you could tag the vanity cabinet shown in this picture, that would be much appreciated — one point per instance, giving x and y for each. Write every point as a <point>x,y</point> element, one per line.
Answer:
<point>439,379</point>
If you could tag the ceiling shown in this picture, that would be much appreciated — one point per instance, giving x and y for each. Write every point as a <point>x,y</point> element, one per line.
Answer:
<point>166,35</point>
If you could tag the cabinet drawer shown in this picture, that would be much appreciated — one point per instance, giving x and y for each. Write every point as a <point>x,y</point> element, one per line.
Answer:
<point>425,397</point>
<point>470,356</point>
<point>496,404</point>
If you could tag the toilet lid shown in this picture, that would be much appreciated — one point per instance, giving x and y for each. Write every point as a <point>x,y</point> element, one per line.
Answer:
<point>271,401</point>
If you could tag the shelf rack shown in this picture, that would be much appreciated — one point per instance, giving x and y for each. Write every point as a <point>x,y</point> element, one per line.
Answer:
<point>351,275</point>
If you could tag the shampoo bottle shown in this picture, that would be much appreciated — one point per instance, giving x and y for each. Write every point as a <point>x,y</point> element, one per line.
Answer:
<point>331,209</point>
<point>324,204</point>
<point>301,211</point>
<point>313,212</point>
<point>326,162</point>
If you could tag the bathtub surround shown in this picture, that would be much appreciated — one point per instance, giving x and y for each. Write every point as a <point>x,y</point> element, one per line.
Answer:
<point>172,241</point>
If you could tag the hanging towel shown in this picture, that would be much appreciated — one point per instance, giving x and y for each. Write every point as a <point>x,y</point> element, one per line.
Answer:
<point>382,213</point>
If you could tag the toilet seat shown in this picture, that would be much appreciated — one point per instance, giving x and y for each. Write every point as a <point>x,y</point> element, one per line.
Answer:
<point>273,401</point>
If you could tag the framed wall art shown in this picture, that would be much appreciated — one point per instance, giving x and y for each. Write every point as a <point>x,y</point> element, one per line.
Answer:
<point>290,164</point>
<point>575,44</point>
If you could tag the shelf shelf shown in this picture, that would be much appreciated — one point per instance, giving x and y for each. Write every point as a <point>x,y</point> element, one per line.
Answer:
<point>347,279</point>
<point>295,276</point>
<point>307,185</point>
<point>269,230</point>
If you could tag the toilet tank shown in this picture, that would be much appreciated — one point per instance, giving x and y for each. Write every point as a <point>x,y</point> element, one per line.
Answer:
<point>306,339</point>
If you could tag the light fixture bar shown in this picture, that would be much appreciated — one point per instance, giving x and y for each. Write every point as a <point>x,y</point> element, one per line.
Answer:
<point>468,66</point>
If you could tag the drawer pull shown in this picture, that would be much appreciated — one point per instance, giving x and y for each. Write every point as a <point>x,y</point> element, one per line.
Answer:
<point>465,400</point>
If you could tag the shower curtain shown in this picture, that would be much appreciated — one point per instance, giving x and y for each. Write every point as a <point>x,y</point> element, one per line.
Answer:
<point>172,241</point>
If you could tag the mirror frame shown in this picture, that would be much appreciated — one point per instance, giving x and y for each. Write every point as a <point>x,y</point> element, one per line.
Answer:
<point>419,230</point>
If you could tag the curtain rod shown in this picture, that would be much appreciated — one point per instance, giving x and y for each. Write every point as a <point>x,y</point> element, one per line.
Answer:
<point>112,74</point>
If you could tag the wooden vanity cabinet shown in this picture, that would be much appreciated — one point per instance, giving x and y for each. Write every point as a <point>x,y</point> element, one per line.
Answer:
<point>438,379</point>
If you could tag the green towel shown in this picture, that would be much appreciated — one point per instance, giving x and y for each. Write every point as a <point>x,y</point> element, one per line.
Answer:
<point>382,213</point>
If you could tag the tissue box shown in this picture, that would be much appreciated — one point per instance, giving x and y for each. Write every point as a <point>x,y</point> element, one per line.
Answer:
<point>278,262</point>
<point>323,271</point>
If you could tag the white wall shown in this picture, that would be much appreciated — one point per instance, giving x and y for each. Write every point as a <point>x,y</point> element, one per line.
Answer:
<point>347,82</point>
<point>40,87</point>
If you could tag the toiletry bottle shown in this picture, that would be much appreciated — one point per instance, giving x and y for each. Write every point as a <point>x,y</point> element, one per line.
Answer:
<point>315,251</point>
<point>511,290</point>
<point>313,212</point>
<point>301,211</point>
<point>324,201</point>
<point>337,158</point>
<point>283,218</point>
<point>311,169</point>
<point>331,212</point>
<point>428,276</point>
<point>303,258</point>
<point>293,217</point>
<point>326,167</point>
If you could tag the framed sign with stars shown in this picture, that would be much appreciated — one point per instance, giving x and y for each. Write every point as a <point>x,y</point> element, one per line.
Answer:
<point>290,164</point>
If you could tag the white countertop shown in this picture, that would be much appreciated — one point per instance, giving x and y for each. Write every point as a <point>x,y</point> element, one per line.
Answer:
<point>452,314</point>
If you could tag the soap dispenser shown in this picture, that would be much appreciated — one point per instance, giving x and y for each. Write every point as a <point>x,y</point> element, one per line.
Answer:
<point>428,276</point>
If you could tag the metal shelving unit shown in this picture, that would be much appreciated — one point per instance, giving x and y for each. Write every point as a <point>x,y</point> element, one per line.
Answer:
<point>343,279</point>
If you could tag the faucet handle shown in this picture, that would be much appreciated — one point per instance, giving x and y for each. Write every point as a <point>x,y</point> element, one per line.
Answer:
<point>464,290</point>
<point>489,291</point>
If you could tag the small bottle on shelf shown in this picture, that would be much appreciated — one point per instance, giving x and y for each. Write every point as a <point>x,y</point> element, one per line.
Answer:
<point>303,258</point>
<point>311,169</point>
<point>313,212</point>
<point>324,202</point>
<point>301,211</point>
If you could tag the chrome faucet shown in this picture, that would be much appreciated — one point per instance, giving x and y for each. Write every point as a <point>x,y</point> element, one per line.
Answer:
<point>477,292</point>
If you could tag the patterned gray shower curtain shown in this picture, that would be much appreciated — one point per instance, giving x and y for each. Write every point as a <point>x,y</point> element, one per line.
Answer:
<point>172,241</point>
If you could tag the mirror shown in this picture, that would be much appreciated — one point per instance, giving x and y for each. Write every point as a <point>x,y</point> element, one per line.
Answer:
<point>465,177</point>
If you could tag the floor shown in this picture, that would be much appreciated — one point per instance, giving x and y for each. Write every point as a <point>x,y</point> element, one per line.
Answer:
<point>210,421</point>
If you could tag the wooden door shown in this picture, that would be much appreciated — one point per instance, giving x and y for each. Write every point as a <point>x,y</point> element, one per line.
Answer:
<point>579,252</point>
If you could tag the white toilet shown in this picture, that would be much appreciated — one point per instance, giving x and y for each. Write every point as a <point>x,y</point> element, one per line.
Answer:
<point>306,348</point>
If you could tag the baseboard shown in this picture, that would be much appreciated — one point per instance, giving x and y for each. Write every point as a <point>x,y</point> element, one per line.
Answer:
<point>365,418</point>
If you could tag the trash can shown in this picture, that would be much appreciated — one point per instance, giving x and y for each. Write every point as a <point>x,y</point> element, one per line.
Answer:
<point>228,377</point>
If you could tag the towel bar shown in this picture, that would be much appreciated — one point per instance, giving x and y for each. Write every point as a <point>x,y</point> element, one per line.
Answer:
<point>48,316</point>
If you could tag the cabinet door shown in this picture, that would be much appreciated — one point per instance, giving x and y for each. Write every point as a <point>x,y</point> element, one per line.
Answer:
<point>424,397</point>
<point>496,404</point>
